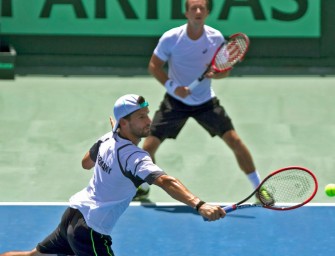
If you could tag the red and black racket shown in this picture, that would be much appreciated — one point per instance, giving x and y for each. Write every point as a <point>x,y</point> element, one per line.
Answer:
<point>285,189</point>
<point>227,55</point>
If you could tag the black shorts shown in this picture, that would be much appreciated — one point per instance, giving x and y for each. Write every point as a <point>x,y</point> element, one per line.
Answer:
<point>74,237</point>
<point>172,115</point>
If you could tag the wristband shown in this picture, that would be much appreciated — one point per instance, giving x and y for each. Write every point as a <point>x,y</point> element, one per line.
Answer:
<point>201,203</point>
<point>170,86</point>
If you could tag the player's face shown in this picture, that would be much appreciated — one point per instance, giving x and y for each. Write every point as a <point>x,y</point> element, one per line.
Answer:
<point>197,12</point>
<point>139,123</point>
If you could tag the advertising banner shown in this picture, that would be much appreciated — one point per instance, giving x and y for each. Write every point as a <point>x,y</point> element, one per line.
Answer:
<point>257,18</point>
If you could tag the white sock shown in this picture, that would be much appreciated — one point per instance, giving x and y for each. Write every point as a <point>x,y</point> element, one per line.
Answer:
<point>254,178</point>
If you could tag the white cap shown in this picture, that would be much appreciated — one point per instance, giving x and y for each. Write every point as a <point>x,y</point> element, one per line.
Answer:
<point>126,105</point>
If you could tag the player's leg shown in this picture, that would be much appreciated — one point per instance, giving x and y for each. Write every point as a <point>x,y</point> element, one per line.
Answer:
<point>151,144</point>
<point>33,252</point>
<point>240,150</point>
<point>84,241</point>
<point>213,117</point>
<point>55,244</point>
<point>167,122</point>
<point>246,163</point>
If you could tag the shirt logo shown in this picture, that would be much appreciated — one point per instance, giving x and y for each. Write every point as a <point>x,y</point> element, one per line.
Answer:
<point>204,51</point>
<point>103,165</point>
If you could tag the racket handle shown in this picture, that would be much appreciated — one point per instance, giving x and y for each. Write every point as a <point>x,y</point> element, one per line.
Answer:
<point>229,208</point>
<point>194,84</point>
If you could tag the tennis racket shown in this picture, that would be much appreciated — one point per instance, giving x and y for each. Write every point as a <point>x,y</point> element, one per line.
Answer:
<point>288,188</point>
<point>226,56</point>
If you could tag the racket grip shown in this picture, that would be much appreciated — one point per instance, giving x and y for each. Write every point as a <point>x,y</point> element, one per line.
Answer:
<point>229,208</point>
<point>194,84</point>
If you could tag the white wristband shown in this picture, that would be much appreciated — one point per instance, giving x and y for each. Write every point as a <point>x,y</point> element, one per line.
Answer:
<point>170,86</point>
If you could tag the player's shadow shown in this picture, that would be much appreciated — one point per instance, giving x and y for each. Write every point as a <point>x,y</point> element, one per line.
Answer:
<point>177,209</point>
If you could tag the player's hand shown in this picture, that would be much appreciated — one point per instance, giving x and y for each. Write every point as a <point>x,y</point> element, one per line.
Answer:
<point>112,122</point>
<point>215,75</point>
<point>182,91</point>
<point>212,212</point>
<point>210,74</point>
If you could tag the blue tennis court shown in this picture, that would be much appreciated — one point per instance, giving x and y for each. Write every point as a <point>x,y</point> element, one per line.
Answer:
<point>169,229</point>
<point>42,146</point>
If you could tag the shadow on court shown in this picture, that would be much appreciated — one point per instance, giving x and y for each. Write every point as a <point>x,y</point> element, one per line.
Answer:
<point>180,209</point>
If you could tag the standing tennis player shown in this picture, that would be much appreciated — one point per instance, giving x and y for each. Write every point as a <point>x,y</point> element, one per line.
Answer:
<point>120,166</point>
<point>188,50</point>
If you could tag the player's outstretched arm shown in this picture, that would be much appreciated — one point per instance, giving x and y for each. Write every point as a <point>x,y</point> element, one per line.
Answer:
<point>179,192</point>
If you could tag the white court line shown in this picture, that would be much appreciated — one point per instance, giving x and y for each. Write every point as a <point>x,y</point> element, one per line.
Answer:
<point>158,204</point>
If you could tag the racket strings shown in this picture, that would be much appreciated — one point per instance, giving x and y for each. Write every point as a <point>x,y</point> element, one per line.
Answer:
<point>231,53</point>
<point>291,186</point>
<point>222,58</point>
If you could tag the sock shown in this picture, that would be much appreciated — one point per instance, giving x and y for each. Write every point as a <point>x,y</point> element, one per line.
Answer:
<point>254,179</point>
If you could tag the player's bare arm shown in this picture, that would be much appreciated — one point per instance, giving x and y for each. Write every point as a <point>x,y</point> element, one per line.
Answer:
<point>179,192</point>
<point>111,121</point>
<point>87,163</point>
<point>156,68</point>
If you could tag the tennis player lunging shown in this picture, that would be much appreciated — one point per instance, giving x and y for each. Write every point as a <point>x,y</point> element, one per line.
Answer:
<point>188,50</point>
<point>120,166</point>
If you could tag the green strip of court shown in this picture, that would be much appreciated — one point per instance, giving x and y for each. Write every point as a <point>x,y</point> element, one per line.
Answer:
<point>47,123</point>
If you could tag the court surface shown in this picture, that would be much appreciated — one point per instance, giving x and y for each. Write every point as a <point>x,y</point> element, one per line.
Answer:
<point>47,123</point>
<point>176,230</point>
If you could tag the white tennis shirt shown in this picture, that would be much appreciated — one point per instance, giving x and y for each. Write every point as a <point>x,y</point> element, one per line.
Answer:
<point>187,59</point>
<point>120,167</point>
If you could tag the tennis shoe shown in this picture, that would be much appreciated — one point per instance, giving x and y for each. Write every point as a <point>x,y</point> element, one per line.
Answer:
<point>264,197</point>
<point>142,193</point>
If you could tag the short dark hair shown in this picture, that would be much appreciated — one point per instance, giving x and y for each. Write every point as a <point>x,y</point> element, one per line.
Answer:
<point>208,4</point>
